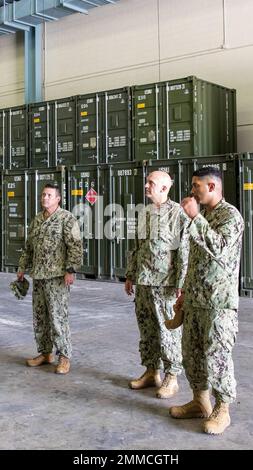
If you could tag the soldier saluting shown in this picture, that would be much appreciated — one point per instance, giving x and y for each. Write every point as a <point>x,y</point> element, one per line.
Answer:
<point>210,301</point>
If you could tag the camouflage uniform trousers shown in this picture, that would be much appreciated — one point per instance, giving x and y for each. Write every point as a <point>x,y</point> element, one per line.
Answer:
<point>159,347</point>
<point>50,316</point>
<point>207,343</point>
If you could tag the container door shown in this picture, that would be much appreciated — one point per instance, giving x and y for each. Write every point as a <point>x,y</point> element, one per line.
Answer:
<point>148,122</point>
<point>82,196</point>
<point>89,129</point>
<point>2,140</point>
<point>214,109</point>
<point>246,184</point>
<point>17,138</point>
<point>178,107</point>
<point>200,118</point>
<point>117,125</point>
<point>41,134</point>
<point>127,199</point>
<point>15,197</point>
<point>65,132</point>
<point>102,222</point>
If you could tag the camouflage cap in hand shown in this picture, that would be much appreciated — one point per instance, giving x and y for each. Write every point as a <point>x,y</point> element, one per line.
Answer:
<point>19,288</point>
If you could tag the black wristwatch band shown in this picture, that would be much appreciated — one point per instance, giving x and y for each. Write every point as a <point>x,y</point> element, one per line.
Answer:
<point>70,270</point>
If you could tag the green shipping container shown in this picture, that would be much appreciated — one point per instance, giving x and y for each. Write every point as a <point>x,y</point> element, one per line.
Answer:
<point>182,118</point>
<point>126,192</point>
<point>89,129</point>
<point>237,181</point>
<point>237,175</point>
<point>127,189</point>
<point>180,173</point>
<point>117,125</point>
<point>15,216</point>
<point>246,202</point>
<point>3,141</point>
<point>21,202</point>
<point>17,137</point>
<point>230,170</point>
<point>64,131</point>
<point>147,120</point>
<point>104,127</point>
<point>88,196</point>
<point>41,144</point>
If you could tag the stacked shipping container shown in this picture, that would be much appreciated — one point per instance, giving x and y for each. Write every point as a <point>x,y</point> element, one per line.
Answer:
<point>101,146</point>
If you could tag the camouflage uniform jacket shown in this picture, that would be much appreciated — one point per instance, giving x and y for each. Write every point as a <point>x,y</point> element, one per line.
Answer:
<point>214,259</point>
<point>161,247</point>
<point>53,245</point>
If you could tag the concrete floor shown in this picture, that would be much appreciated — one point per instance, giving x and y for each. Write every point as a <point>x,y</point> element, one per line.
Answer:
<point>92,407</point>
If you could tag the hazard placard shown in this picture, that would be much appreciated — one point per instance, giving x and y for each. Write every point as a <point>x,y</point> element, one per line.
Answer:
<point>91,196</point>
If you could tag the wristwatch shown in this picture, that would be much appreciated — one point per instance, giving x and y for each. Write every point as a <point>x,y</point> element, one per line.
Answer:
<point>70,270</point>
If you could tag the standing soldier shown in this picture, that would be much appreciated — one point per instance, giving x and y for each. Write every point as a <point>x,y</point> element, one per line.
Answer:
<point>158,266</point>
<point>210,301</point>
<point>53,252</point>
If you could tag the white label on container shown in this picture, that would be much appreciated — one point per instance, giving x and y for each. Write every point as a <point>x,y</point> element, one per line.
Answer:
<point>126,172</point>
<point>46,177</point>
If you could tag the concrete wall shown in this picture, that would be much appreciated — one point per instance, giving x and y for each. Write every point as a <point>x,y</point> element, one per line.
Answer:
<point>11,70</point>
<point>141,41</point>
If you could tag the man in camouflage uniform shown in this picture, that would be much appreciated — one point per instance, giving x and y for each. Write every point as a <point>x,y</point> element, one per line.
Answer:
<point>158,266</point>
<point>210,301</point>
<point>53,252</point>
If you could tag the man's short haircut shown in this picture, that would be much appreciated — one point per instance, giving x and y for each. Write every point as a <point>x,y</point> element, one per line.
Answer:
<point>208,171</point>
<point>53,185</point>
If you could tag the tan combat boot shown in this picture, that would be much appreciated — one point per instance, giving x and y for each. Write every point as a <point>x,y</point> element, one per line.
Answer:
<point>169,387</point>
<point>40,360</point>
<point>199,407</point>
<point>150,378</point>
<point>219,420</point>
<point>63,365</point>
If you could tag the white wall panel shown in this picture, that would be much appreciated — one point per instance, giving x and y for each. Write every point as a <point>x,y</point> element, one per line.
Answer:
<point>238,21</point>
<point>187,27</point>
<point>230,68</point>
<point>11,70</point>
<point>245,138</point>
<point>104,81</point>
<point>107,44</point>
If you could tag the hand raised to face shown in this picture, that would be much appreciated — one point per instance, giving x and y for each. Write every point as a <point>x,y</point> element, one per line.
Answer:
<point>190,206</point>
